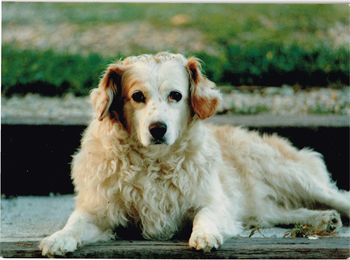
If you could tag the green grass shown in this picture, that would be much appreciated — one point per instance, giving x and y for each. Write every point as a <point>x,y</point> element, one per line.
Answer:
<point>49,73</point>
<point>267,45</point>
<point>274,64</point>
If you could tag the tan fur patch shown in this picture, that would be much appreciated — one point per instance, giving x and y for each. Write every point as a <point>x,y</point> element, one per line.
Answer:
<point>102,97</point>
<point>192,66</point>
<point>107,79</point>
<point>283,146</point>
<point>204,107</point>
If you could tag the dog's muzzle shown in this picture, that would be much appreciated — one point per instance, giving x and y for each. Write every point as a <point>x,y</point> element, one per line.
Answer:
<point>157,131</point>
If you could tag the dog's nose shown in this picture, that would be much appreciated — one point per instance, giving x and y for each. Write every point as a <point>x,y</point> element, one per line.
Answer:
<point>157,130</point>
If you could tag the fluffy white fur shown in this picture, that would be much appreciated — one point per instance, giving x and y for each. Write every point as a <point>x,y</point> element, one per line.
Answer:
<point>219,177</point>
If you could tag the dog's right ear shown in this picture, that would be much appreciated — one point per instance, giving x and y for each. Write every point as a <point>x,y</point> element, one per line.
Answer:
<point>108,90</point>
<point>205,98</point>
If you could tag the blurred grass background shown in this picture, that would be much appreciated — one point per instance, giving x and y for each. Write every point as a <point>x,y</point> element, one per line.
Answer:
<point>59,48</point>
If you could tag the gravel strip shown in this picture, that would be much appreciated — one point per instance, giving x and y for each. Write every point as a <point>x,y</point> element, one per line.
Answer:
<point>35,106</point>
<point>288,101</point>
<point>104,39</point>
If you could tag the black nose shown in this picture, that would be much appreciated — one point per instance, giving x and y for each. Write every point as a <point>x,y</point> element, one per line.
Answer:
<point>157,130</point>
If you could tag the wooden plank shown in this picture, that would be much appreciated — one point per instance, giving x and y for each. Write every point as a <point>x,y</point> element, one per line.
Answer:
<point>324,248</point>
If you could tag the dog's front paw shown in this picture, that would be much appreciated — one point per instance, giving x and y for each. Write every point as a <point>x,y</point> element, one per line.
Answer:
<point>203,240</point>
<point>58,244</point>
<point>328,220</point>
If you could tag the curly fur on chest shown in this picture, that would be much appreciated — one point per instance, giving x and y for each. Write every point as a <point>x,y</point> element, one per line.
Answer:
<point>153,189</point>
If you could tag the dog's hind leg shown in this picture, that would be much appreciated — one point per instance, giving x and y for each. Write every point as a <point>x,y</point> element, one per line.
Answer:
<point>312,183</point>
<point>303,175</point>
<point>325,220</point>
<point>321,189</point>
<point>80,229</point>
<point>333,198</point>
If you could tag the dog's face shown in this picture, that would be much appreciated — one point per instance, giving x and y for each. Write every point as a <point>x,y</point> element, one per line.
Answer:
<point>155,97</point>
<point>156,101</point>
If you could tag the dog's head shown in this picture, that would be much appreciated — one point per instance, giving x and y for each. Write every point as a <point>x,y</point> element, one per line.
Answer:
<point>155,97</point>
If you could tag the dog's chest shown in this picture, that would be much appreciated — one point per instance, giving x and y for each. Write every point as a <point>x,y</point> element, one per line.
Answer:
<point>157,196</point>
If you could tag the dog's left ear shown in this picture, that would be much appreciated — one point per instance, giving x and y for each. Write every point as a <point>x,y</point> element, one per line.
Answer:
<point>205,98</point>
<point>108,91</point>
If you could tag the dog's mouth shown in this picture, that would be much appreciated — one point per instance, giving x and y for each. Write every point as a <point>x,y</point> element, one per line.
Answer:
<point>158,141</point>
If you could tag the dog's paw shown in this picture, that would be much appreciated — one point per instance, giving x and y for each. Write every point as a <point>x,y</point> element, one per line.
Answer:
<point>328,220</point>
<point>202,240</point>
<point>58,244</point>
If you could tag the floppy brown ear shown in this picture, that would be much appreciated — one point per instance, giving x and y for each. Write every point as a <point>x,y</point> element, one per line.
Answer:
<point>108,90</point>
<point>205,98</point>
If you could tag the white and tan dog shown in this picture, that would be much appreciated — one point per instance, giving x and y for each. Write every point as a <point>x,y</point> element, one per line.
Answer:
<point>150,160</point>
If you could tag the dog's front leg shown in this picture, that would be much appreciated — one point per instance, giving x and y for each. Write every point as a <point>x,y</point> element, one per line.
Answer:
<point>79,229</point>
<point>211,226</point>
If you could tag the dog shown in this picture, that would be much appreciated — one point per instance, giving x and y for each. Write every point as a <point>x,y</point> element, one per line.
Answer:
<point>149,158</point>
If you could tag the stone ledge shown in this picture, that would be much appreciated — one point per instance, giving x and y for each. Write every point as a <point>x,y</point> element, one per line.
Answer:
<point>261,120</point>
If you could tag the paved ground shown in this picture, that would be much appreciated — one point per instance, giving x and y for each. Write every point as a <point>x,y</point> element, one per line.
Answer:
<point>31,218</point>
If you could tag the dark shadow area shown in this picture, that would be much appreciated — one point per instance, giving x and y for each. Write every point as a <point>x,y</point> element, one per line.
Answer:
<point>42,87</point>
<point>36,159</point>
<point>134,232</point>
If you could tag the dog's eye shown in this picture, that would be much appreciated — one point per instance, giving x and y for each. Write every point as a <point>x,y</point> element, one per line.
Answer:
<point>174,95</point>
<point>138,97</point>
